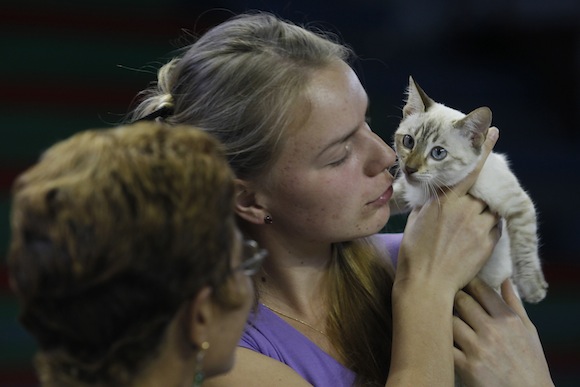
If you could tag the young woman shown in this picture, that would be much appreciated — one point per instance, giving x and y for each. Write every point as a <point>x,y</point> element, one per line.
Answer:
<point>313,187</point>
<point>127,261</point>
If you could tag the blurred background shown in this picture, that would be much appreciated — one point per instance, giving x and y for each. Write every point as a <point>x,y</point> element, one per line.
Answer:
<point>71,65</point>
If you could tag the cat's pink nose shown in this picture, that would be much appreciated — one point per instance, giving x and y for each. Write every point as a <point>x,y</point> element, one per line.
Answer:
<point>410,170</point>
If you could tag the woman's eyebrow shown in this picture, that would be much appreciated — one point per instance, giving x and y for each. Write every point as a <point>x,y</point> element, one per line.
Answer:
<point>348,135</point>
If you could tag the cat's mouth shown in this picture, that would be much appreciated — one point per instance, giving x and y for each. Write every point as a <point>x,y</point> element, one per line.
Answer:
<point>412,178</point>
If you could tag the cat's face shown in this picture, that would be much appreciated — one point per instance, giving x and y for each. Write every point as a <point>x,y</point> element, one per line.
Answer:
<point>432,152</point>
<point>438,146</point>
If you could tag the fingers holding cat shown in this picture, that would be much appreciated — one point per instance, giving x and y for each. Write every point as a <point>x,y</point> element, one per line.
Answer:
<point>448,242</point>
<point>496,343</point>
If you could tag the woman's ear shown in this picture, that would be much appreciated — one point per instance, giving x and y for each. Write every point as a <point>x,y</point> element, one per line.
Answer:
<point>246,205</point>
<point>201,316</point>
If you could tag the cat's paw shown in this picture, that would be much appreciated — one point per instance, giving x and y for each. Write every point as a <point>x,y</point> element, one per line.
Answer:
<point>398,204</point>
<point>532,288</point>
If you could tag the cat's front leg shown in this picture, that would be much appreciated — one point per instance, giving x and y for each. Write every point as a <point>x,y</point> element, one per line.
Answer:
<point>500,189</point>
<point>522,227</point>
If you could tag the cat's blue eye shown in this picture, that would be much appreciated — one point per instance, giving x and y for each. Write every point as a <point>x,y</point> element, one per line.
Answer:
<point>438,153</point>
<point>408,141</point>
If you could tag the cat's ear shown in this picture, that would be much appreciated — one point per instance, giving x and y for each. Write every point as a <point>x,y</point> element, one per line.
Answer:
<point>417,100</point>
<point>475,125</point>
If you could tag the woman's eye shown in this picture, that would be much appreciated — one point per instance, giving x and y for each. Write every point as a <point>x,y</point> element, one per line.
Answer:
<point>343,158</point>
<point>408,141</point>
<point>438,153</point>
<point>338,162</point>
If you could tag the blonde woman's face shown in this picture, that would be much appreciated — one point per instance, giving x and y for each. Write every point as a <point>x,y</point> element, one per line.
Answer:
<point>330,182</point>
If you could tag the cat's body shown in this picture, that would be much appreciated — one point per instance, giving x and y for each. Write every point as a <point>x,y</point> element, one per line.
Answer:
<point>437,147</point>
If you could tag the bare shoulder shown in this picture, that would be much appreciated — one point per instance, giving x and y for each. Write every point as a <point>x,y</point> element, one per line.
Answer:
<point>254,369</point>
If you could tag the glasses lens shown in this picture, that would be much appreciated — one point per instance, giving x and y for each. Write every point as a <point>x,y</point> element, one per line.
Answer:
<point>253,258</point>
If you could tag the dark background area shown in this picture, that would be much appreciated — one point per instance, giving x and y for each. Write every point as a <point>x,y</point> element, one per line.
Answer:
<point>68,65</point>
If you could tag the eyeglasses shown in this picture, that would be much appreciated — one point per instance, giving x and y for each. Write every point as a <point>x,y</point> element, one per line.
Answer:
<point>253,256</point>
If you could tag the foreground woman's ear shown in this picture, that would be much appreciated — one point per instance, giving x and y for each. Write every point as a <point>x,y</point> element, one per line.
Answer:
<point>199,318</point>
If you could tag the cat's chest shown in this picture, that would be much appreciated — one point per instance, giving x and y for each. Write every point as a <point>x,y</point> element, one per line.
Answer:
<point>415,195</point>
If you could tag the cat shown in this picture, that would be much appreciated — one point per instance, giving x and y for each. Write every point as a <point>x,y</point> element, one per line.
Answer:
<point>437,147</point>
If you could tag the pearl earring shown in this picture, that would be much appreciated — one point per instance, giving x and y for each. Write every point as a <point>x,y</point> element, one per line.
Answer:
<point>199,375</point>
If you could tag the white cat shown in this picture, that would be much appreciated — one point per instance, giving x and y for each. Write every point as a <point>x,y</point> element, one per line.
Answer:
<point>437,147</point>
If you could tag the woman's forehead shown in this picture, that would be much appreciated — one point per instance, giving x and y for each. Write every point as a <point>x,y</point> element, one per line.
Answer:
<point>337,105</point>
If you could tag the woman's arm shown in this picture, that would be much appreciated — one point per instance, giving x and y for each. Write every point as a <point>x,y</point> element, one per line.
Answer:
<point>497,344</point>
<point>426,282</point>
<point>445,244</point>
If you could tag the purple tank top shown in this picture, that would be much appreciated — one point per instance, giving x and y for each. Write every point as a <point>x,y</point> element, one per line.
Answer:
<point>269,335</point>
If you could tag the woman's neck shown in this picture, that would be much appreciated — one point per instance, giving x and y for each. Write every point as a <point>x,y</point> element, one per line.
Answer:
<point>164,373</point>
<point>169,367</point>
<point>293,284</point>
<point>293,277</point>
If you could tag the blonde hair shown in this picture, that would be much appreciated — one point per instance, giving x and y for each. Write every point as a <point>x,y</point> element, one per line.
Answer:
<point>112,231</point>
<point>244,81</point>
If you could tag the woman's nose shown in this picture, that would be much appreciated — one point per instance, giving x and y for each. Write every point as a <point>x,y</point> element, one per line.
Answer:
<point>380,155</point>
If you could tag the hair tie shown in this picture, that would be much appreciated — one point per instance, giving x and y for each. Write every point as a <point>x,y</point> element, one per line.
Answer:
<point>166,99</point>
<point>162,112</point>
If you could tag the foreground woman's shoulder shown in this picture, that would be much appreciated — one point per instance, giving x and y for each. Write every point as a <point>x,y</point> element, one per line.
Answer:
<point>254,369</point>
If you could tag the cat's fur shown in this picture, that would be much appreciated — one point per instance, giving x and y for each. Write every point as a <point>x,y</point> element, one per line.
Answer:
<point>438,130</point>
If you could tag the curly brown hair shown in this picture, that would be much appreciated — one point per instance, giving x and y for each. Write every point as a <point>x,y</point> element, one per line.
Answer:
<point>112,230</point>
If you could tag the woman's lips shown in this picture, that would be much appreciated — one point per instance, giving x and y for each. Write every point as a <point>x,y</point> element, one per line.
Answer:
<point>384,198</point>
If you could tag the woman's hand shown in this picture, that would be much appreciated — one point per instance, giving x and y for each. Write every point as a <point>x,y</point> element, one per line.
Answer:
<point>496,343</point>
<point>447,241</point>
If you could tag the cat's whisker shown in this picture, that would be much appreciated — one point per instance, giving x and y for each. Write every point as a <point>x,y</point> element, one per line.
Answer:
<point>395,169</point>
<point>437,190</point>
<point>450,189</point>
<point>434,189</point>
